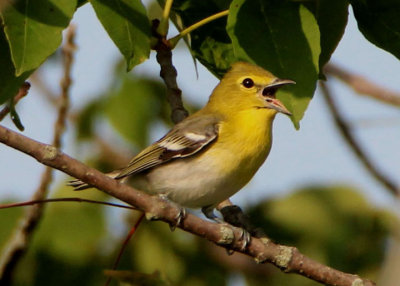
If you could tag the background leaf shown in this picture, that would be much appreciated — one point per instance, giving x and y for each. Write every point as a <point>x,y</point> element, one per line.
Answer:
<point>287,46</point>
<point>335,225</point>
<point>127,24</point>
<point>69,245</point>
<point>379,22</point>
<point>33,30</point>
<point>133,108</point>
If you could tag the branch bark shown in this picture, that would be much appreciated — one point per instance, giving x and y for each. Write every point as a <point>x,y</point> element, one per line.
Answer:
<point>20,241</point>
<point>345,130</point>
<point>168,74</point>
<point>287,258</point>
<point>363,86</point>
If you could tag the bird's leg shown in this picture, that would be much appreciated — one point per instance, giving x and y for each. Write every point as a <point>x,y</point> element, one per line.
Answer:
<point>244,236</point>
<point>234,215</point>
<point>179,217</point>
<point>208,211</point>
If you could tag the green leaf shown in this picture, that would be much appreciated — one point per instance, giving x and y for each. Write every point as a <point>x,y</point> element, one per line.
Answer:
<point>282,37</point>
<point>127,24</point>
<point>332,20</point>
<point>34,30</point>
<point>217,56</point>
<point>134,107</point>
<point>9,83</point>
<point>379,22</point>
<point>210,44</point>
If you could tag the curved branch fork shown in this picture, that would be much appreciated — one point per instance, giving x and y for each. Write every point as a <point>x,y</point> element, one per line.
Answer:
<point>288,259</point>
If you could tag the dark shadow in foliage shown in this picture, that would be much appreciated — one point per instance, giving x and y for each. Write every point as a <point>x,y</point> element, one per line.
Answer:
<point>210,43</point>
<point>50,270</point>
<point>9,83</point>
<point>42,11</point>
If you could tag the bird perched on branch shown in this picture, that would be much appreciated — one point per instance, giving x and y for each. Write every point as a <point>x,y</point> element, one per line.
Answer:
<point>212,154</point>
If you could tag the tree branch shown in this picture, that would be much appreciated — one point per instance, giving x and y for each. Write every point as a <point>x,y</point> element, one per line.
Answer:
<point>20,241</point>
<point>288,259</point>
<point>168,74</point>
<point>363,86</point>
<point>354,145</point>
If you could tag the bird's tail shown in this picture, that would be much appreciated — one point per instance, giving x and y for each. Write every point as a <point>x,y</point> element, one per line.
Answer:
<point>79,185</point>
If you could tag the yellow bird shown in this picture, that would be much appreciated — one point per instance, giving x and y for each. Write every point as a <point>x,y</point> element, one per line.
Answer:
<point>212,154</point>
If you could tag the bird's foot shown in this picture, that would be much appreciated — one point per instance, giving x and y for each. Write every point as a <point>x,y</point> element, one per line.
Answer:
<point>235,216</point>
<point>179,217</point>
<point>245,235</point>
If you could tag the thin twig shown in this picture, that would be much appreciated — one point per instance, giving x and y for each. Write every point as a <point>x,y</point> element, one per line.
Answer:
<point>168,74</point>
<point>354,145</point>
<point>79,200</point>
<point>22,237</point>
<point>174,41</point>
<point>22,92</point>
<point>124,245</point>
<point>286,258</point>
<point>162,29</point>
<point>363,86</point>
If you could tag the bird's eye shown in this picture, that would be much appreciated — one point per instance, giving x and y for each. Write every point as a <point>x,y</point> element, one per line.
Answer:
<point>248,83</point>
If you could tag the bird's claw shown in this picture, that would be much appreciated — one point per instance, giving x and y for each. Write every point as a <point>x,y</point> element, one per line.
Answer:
<point>178,219</point>
<point>245,237</point>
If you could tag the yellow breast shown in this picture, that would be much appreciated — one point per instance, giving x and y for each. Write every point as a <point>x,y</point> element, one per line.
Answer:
<point>245,142</point>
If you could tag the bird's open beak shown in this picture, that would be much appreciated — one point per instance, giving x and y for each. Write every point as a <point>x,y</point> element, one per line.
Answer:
<point>275,103</point>
<point>279,82</point>
<point>278,106</point>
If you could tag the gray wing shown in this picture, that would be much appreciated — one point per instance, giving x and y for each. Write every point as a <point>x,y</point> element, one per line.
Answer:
<point>185,139</point>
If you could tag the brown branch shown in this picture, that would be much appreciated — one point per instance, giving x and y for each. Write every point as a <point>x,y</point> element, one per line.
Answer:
<point>20,241</point>
<point>22,92</point>
<point>168,74</point>
<point>363,86</point>
<point>288,259</point>
<point>354,145</point>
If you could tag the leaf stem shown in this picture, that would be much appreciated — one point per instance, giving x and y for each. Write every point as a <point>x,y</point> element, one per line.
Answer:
<point>163,27</point>
<point>173,41</point>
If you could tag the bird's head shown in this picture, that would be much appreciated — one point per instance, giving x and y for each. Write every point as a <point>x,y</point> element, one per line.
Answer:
<point>247,86</point>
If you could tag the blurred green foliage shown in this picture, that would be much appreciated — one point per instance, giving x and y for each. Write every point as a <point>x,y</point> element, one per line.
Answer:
<point>133,104</point>
<point>334,225</point>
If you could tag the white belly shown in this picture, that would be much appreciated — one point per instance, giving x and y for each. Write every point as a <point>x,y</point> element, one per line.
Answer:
<point>197,184</point>
<point>201,184</point>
